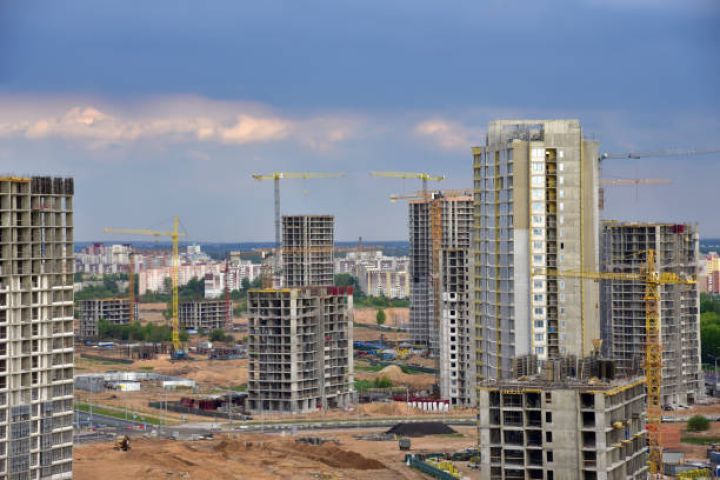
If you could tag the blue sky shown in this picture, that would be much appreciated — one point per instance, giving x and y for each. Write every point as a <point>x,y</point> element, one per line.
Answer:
<point>166,107</point>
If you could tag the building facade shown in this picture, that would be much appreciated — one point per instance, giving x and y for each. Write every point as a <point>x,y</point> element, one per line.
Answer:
<point>204,314</point>
<point>36,327</point>
<point>570,430</point>
<point>91,311</point>
<point>536,209</point>
<point>300,349</point>
<point>438,224</point>
<point>623,250</point>
<point>308,243</point>
<point>384,283</point>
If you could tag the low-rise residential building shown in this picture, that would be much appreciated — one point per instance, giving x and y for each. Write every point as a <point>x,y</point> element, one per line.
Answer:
<point>204,314</point>
<point>113,310</point>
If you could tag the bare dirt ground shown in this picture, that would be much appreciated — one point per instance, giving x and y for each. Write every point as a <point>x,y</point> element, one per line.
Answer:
<point>394,317</point>
<point>209,373</point>
<point>673,432</point>
<point>398,378</point>
<point>152,312</point>
<point>368,334</point>
<point>262,457</point>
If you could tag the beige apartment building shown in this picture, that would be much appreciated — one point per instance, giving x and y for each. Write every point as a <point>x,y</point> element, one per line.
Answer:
<point>536,209</point>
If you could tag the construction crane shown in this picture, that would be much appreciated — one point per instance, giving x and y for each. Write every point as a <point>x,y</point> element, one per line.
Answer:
<point>423,177</point>
<point>653,280</point>
<point>276,177</point>
<point>421,195</point>
<point>637,156</point>
<point>436,235</point>
<point>178,352</point>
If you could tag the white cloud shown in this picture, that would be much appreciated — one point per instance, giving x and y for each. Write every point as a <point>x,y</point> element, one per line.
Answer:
<point>446,134</point>
<point>172,119</point>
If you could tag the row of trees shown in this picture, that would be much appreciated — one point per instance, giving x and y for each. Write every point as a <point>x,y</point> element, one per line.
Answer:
<point>710,327</point>
<point>137,332</point>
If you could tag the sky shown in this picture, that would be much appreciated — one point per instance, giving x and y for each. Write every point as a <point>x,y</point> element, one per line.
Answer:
<point>167,107</point>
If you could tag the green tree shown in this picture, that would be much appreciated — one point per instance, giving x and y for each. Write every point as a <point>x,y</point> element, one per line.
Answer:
<point>382,382</point>
<point>218,335</point>
<point>698,423</point>
<point>380,317</point>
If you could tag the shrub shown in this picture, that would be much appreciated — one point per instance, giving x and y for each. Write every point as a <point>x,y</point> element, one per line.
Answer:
<point>698,423</point>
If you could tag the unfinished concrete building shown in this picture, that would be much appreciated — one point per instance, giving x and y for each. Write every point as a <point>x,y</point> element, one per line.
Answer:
<point>439,225</point>
<point>544,427</point>
<point>36,327</point>
<point>457,361</point>
<point>307,250</point>
<point>204,314</point>
<point>536,208</point>
<point>300,349</point>
<point>623,247</point>
<point>113,310</point>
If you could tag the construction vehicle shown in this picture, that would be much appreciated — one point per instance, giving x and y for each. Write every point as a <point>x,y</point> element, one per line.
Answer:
<point>653,280</point>
<point>276,177</point>
<point>122,442</point>
<point>179,353</point>
<point>404,444</point>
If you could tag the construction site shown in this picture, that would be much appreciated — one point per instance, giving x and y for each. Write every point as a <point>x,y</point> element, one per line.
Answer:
<point>528,317</point>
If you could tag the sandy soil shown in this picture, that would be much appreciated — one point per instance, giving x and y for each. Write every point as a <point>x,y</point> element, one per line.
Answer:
<point>394,317</point>
<point>209,373</point>
<point>396,375</point>
<point>262,457</point>
<point>152,312</point>
<point>368,334</point>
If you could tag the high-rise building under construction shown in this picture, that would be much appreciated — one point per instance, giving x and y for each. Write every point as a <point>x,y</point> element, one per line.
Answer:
<point>623,250</point>
<point>440,227</point>
<point>536,209</point>
<point>300,346</point>
<point>36,327</point>
<point>307,250</point>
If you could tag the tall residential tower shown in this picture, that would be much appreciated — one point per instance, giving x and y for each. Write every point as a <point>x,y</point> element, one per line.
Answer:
<point>36,327</point>
<point>623,250</point>
<point>536,208</point>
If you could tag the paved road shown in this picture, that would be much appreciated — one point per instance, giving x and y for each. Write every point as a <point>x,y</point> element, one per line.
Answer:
<point>275,426</point>
<point>84,419</point>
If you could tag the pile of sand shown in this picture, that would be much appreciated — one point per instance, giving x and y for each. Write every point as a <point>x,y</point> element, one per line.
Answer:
<point>395,374</point>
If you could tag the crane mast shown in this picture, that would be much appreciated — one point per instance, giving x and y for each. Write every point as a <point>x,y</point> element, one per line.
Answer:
<point>178,351</point>
<point>276,177</point>
<point>653,280</point>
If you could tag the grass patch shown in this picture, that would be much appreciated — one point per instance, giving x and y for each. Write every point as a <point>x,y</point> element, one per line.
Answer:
<point>118,413</point>
<point>693,440</point>
<point>239,388</point>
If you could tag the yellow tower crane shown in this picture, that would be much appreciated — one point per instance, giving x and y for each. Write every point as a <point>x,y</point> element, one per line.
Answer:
<point>423,177</point>
<point>436,233</point>
<point>178,352</point>
<point>276,177</point>
<point>653,280</point>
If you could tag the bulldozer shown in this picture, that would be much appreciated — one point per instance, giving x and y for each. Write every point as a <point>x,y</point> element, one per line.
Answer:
<point>122,442</point>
